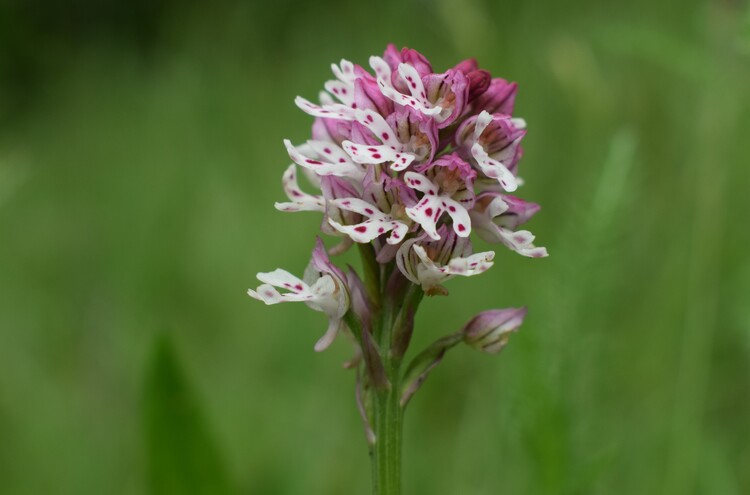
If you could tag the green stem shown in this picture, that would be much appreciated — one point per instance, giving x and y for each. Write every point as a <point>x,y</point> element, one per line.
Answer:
<point>388,423</point>
<point>387,411</point>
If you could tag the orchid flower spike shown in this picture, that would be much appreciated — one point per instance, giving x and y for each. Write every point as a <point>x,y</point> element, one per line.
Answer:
<point>409,165</point>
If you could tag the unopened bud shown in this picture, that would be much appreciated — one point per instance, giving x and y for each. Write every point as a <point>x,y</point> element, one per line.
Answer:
<point>489,330</point>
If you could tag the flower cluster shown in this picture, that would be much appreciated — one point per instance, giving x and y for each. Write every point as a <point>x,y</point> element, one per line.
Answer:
<point>410,162</point>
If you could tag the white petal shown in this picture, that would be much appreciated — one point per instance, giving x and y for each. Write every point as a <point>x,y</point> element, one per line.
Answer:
<point>402,161</point>
<point>379,127</point>
<point>459,215</point>
<point>266,293</point>
<point>420,183</point>
<point>518,123</point>
<point>328,151</point>
<point>358,206</point>
<point>494,169</point>
<point>282,278</point>
<point>330,111</point>
<point>372,229</point>
<point>472,265</point>
<point>344,71</point>
<point>412,79</point>
<point>483,120</point>
<point>362,153</point>
<point>398,232</point>
<point>300,201</point>
<point>522,242</point>
<point>335,162</point>
<point>427,213</point>
<point>341,90</point>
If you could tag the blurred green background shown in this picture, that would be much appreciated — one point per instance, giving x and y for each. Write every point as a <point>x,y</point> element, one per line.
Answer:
<point>140,156</point>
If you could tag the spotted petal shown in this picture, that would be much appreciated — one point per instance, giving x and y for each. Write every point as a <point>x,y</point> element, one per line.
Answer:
<point>300,201</point>
<point>267,292</point>
<point>494,169</point>
<point>383,73</point>
<point>492,225</point>
<point>365,154</point>
<point>330,110</point>
<point>330,160</point>
<point>429,209</point>
<point>378,126</point>
<point>377,223</point>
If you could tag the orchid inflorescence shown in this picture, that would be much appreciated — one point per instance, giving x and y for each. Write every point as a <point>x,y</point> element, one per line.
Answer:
<point>408,163</point>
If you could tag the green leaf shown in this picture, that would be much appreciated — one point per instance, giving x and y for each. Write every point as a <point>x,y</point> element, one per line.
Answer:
<point>424,363</point>
<point>182,456</point>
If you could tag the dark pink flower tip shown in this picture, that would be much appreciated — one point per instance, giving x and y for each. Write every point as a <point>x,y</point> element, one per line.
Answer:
<point>499,97</point>
<point>367,95</point>
<point>468,65</point>
<point>409,56</point>
<point>479,83</point>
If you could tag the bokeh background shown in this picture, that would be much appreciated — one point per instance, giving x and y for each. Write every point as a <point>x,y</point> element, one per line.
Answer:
<point>140,156</point>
